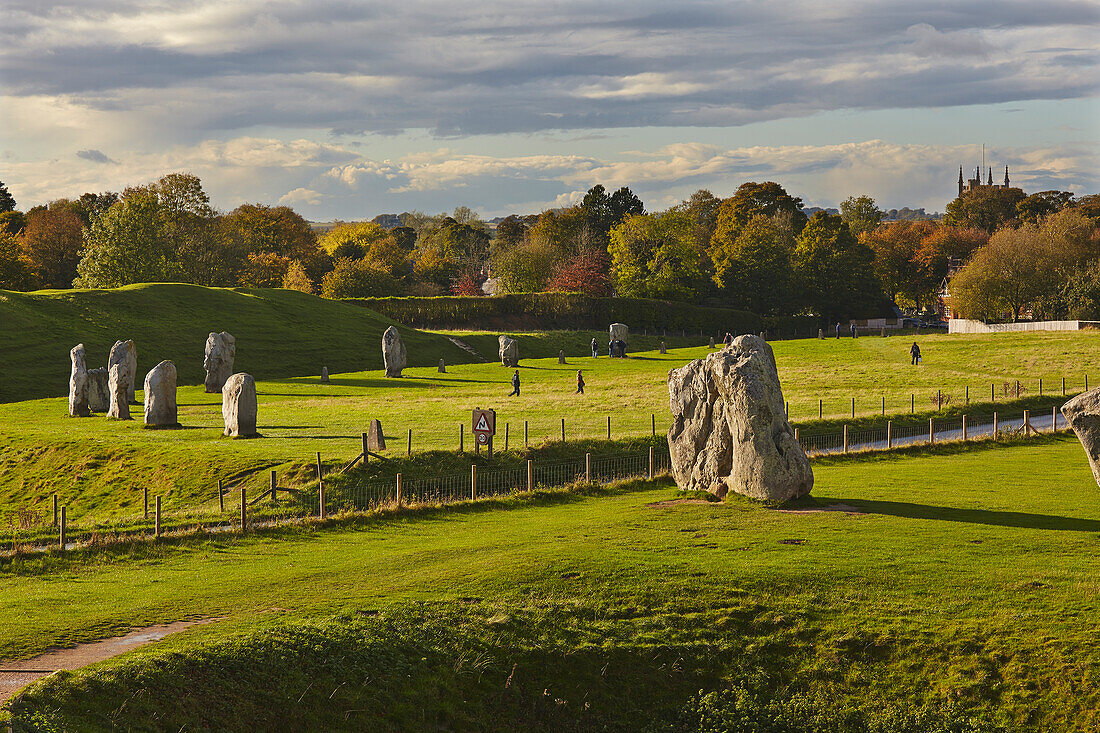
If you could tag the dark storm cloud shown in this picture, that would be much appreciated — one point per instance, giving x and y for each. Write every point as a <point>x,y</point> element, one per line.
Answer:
<point>503,67</point>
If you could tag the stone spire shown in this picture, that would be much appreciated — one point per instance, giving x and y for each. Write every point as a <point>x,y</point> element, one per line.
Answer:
<point>1006,176</point>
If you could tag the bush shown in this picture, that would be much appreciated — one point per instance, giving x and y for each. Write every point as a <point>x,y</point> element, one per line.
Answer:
<point>356,279</point>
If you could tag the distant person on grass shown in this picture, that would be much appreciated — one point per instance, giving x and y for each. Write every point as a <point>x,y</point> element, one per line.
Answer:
<point>595,348</point>
<point>580,383</point>
<point>914,352</point>
<point>853,326</point>
<point>515,384</point>
<point>838,329</point>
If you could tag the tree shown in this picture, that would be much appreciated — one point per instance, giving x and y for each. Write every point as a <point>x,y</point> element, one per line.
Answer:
<point>14,272</point>
<point>467,285</point>
<point>1089,206</point>
<point>569,231</point>
<point>510,231</point>
<point>433,267</point>
<point>904,274</point>
<point>296,278</point>
<point>264,270</point>
<point>833,271</point>
<point>91,205</point>
<point>702,207</point>
<point>754,269</point>
<point>356,279</point>
<point>51,242</point>
<point>861,214</point>
<point>585,272</point>
<point>387,255</point>
<point>12,222</point>
<point>7,201</point>
<point>654,256</point>
<point>753,199</point>
<point>128,244</point>
<point>987,207</point>
<point>1003,277</point>
<point>1044,203</point>
<point>276,229</point>
<point>349,237</point>
<point>603,211</point>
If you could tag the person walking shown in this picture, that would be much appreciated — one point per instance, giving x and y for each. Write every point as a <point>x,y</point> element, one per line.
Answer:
<point>914,352</point>
<point>853,327</point>
<point>838,329</point>
<point>515,384</point>
<point>595,348</point>
<point>580,383</point>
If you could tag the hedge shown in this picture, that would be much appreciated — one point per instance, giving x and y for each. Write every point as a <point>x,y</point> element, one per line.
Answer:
<point>560,311</point>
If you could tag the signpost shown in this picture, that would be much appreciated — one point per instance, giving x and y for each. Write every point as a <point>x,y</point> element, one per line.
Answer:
<point>484,427</point>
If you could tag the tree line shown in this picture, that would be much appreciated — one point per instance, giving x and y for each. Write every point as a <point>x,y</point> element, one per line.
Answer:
<point>755,250</point>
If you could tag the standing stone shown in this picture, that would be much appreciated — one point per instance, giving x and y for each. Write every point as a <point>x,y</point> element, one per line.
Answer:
<point>712,342</point>
<point>160,395</point>
<point>99,394</point>
<point>663,349</point>
<point>618,332</point>
<point>78,383</point>
<point>730,431</point>
<point>118,384</point>
<point>324,374</point>
<point>442,367</point>
<point>376,439</point>
<point>125,351</point>
<point>239,406</point>
<point>1083,414</point>
<point>509,351</point>
<point>393,352</point>
<point>561,356</point>
<point>820,333</point>
<point>221,350</point>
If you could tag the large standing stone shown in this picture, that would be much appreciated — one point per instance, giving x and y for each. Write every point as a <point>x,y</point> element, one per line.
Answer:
<point>376,439</point>
<point>324,374</point>
<point>393,352</point>
<point>118,384</point>
<point>221,349</point>
<point>160,395</point>
<point>99,393</point>
<point>619,332</point>
<point>509,351</point>
<point>442,367</point>
<point>239,406</point>
<point>78,383</point>
<point>730,431</point>
<point>1083,414</point>
<point>125,351</point>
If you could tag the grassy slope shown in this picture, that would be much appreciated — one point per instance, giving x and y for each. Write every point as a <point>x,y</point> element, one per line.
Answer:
<point>970,578</point>
<point>279,333</point>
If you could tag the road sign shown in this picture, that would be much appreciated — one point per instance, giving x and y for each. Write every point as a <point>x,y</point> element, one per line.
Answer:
<point>483,438</point>
<point>485,423</point>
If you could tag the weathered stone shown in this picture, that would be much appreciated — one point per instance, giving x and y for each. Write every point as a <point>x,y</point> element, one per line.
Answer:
<point>561,356</point>
<point>1083,414</point>
<point>376,439</point>
<point>78,383</point>
<point>730,431</point>
<point>712,342</point>
<point>393,352</point>
<point>618,332</point>
<point>509,351</point>
<point>442,367</point>
<point>239,405</point>
<point>664,350</point>
<point>160,395</point>
<point>99,394</point>
<point>221,350</point>
<point>118,384</point>
<point>125,351</point>
<point>324,374</point>
<point>820,333</point>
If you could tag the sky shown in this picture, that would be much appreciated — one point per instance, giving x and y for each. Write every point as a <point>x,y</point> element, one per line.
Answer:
<point>350,109</point>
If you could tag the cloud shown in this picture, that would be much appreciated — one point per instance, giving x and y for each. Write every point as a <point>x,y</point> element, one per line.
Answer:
<point>96,156</point>
<point>301,196</point>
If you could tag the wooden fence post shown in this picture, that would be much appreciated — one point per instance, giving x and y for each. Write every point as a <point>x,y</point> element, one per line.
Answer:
<point>1027,423</point>
<point>819,401</point>
<point>796,437</point>
<point>274,484</point>
<point>563,430</point>
<point>1063,386</point>
<point>964,427</point>
<point>931,431</point>
<point>473,481</point>
<point>221,497</point>
<point>524,433</point>
<point>410,450</point>
<point>507,430</point>
<point>992,392</point>
<point>939,400</point>
<point>399,487</point>
<point>609,427</point>
<point>845,438</point>
<point>530,475</point>
<point>1040,386</point>
<point>156,520</point>
<point>1017,389</point>
<point>787,410</point>
<point>244,510</point>
<point>320,488</point>
<point>889,434</point>
<point>912,403</point>
<point>652,463</point>
<point>853,408</point>
<point>967,394</point>
<point>461,437</point>
<point>588,468</point>
<point>61,530</point>
<point>653,423</point>
<point>366,451</point>
<point>884,405</point>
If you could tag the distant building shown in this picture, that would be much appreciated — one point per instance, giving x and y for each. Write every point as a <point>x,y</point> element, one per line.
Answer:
<point>976,181</point>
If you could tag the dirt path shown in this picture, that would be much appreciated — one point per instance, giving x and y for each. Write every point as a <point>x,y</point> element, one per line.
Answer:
<point>16,675</point>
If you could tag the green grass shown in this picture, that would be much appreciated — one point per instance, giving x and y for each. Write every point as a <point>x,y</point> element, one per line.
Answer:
<point>969,577</point>
<point>279,333</point>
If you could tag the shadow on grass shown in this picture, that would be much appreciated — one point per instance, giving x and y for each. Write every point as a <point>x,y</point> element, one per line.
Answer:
<point>993,518</point>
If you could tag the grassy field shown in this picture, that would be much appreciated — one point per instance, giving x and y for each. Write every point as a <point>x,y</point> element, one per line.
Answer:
<point>963,579</point>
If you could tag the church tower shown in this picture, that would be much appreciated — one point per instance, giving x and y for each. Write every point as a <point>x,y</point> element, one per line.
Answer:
<point>1006,176</point>
<point>990,181</point>
<point>961,180</point>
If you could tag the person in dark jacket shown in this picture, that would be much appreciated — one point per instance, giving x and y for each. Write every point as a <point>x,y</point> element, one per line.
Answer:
<point>838,329</point>
<point>595,349</point>
<point>914,352</point>
<point>515,384</point>
<point>853,326</point>
<point>580,383</point>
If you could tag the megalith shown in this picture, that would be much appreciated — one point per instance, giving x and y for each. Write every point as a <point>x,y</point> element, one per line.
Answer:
<point>125,351</point>
<point>442,367</point>
<point>393,352</point>
<point>221,349</point>
<point>160,396</point>
<point>729,429</point>
<point>376,439</point>
<point>509,351</point>
<point>324,374</point>
<point>561,356</point>
<point>99,393</point>
<point>664,349</point>
<point>118,387</point>
<point>239,405</point>
<point>78,383</point>
<point>1083,414</point>
<point>618,332</point>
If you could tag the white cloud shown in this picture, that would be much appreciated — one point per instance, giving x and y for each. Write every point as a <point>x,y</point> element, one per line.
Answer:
<point>301,196</point>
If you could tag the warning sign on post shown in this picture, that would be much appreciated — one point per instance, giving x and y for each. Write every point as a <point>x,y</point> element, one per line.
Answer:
<point>485,424</point>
